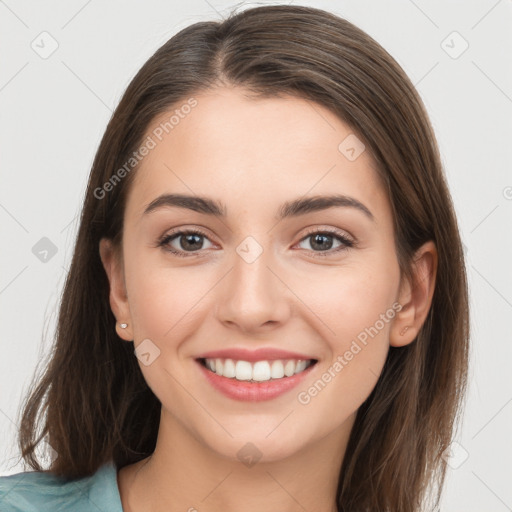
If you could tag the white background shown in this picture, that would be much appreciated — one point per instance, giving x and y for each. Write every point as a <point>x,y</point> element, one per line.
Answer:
<point>54,112</point>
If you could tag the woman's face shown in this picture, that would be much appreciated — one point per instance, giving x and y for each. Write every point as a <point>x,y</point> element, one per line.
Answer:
<point>319,282</point>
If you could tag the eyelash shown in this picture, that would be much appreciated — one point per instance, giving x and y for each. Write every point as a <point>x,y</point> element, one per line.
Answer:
<point>347,243</point>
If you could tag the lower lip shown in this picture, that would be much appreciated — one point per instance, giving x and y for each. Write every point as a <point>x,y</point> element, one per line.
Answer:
<point>253,391</point>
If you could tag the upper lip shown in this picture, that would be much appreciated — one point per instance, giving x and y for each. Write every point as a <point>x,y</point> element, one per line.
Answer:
<point>260,354</point>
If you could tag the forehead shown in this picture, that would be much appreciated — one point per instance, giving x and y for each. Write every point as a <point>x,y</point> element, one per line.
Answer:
<point>251,151</point>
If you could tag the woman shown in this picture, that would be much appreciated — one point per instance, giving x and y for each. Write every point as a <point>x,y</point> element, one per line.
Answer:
<point>267,302</point>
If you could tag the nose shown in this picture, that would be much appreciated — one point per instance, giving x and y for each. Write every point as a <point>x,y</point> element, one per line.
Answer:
<point>253,296</point>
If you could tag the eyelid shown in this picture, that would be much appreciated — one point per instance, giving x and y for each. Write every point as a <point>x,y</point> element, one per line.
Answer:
<point>334,231</point>
<point>347,240</point>
<point>181,231</point>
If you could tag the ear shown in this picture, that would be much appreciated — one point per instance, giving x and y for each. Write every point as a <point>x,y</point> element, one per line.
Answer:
<point>113,265</point>
<point>415,296</point>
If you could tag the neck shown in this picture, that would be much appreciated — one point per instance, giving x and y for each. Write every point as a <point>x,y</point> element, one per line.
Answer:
<point>184,474</point>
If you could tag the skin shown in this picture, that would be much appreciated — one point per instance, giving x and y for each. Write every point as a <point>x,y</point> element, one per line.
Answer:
<point>253,155</point>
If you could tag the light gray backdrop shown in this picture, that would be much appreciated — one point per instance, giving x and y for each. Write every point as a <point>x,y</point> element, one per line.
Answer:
<point>64,66</point>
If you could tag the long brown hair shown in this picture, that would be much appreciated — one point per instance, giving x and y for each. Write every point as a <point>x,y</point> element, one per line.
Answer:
<point>98,406</point>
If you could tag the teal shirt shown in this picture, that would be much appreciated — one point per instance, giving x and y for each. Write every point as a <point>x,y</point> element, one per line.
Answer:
<point>36,491</point>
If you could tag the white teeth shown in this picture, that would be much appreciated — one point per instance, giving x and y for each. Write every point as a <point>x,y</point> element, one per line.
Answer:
<point>243,370</point>
<point>277,371</point>
<point>229,369</point>
<point>301,366</point>
<point>289,368</point>
<point>260,371</point>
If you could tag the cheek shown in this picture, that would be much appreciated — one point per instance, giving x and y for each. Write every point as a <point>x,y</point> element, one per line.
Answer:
<point>165,304</point>
<point>163,299</point>
<point>353,308</point>
<point>356,305</point>
<point>350,299</point>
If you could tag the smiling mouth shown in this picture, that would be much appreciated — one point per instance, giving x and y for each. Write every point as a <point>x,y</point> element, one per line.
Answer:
<point>258,371</point>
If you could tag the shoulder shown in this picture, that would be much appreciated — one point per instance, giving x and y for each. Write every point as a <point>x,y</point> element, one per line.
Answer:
<point>37,491</point>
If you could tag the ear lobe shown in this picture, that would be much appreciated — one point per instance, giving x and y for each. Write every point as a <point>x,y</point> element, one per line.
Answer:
<point>415,296</point>
<point>113,265</point>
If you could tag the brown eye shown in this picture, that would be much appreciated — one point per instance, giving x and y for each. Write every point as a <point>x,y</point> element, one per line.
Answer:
<point>322,242</point>
<point>189,241</point>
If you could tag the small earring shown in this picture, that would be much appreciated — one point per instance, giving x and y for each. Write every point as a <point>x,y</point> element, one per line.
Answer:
<point>123,326</point>
<point>402,332</point>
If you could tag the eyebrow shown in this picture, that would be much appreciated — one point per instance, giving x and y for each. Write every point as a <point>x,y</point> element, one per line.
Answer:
<point>288,209</point>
